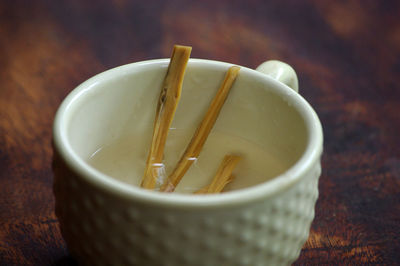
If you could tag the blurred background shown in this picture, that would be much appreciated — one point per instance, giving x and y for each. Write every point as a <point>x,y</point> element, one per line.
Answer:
<point>346,55</point>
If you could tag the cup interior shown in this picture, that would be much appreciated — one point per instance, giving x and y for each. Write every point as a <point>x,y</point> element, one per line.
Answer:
<point>120,104</point>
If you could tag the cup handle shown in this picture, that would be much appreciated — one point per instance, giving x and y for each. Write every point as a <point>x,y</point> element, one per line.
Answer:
<point>281,72</point>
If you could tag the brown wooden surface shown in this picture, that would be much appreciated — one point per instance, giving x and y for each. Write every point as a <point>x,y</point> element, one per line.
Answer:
<point>346,54</point>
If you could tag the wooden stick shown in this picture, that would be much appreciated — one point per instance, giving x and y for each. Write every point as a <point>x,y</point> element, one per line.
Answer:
<point>167,104</point>
<point>223,175</point>
<point>199,138</point>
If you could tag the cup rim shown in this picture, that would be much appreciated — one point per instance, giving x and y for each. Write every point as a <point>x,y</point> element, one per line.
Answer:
<point>121,190</point>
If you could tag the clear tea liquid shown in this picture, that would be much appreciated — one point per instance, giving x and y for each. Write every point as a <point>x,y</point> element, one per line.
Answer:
<point>125,160</point>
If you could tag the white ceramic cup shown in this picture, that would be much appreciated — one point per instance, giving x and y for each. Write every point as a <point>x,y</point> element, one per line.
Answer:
<point>107,222</point>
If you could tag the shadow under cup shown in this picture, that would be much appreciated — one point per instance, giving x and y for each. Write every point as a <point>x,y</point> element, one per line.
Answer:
<point>105,220</point>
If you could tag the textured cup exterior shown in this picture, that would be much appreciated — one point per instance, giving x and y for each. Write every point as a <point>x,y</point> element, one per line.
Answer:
<point>102,229</point>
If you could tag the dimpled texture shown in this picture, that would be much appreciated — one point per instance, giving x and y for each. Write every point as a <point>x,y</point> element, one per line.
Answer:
<point>101,229</point>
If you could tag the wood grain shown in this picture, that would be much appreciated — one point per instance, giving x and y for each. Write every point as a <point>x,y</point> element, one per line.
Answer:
<point>346,54</point>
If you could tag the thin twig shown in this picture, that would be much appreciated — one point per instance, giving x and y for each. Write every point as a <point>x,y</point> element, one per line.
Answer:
<point>223,175</point>
<point>167,104</point>
<point>199,138</point>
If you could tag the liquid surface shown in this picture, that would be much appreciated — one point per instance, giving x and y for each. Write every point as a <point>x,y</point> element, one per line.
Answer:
<point>125,160</point>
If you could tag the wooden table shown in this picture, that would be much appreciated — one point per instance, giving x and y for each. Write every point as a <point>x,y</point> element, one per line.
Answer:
<point>346,54</point>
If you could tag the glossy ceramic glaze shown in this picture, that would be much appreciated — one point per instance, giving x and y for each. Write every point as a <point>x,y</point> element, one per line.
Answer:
<point>105,221</point>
